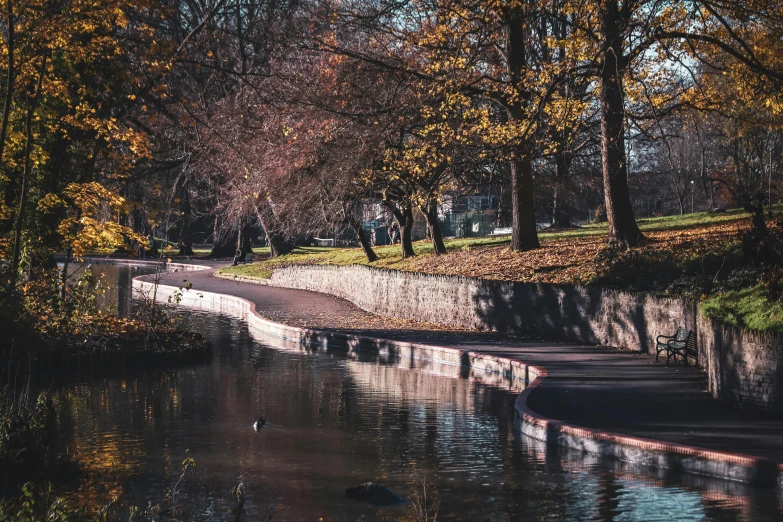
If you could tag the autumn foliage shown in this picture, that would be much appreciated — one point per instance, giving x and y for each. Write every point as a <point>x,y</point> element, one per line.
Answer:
<point>285,120</point>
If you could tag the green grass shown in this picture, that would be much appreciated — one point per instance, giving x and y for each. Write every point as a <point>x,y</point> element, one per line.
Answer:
<point>657,223</point>
<point>747,308</point>
<point>389,256</point>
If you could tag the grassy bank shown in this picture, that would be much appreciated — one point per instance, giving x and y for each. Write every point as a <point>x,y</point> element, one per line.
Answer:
<point>564,256</point>
<point>697,255</point>
<point>746,308</point>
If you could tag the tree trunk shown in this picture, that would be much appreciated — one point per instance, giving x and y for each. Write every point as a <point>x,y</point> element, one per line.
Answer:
<point>431,214</point>
<point>28,149</point>
<point>277,245</point>
<point>406,229</point>
<point>560,215</point>
<point>186,234</point>
<point>404,216</point>
<point>244,245</point>
<point>9,90</point>
<point>366,247</point>
<point>524,235</point>
<point>623,230</point>
<point>223,245</point>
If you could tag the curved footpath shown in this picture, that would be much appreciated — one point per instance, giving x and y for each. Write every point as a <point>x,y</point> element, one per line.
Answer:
<point>606,402</point>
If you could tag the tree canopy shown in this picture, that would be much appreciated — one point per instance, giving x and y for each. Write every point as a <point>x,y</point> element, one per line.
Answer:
<point>121,119</point>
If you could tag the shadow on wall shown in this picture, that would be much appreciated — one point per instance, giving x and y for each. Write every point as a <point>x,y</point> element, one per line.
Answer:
<point>589,315</point>
<point>578,314</point>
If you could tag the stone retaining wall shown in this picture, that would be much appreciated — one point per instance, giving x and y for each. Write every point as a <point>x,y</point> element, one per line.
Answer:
<point>557,312</point>
<point>744,368</point>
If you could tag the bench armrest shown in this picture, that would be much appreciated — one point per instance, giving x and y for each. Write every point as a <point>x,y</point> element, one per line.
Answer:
<point>665,337</point>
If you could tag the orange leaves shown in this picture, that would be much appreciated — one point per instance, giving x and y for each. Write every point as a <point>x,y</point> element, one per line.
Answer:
<point>570,260</point>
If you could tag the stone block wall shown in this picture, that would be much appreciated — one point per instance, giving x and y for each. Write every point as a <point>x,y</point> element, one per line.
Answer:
<point>744,368</point>
<point>555,312</point>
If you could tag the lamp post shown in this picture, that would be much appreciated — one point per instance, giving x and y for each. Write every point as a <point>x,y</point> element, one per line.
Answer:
<point>692,192</point>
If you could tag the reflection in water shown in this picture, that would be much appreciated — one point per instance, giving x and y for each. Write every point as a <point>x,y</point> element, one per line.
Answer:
<point>113,280</point>
<point>334,422</point>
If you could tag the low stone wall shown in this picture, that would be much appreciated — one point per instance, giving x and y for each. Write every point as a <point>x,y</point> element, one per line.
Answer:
<point>744,368</point>
<point>556,312</point>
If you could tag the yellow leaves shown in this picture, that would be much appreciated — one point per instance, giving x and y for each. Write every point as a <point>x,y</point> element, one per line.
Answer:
<point>89,197</point>
<point>49,202</point>
<point>88,225</point>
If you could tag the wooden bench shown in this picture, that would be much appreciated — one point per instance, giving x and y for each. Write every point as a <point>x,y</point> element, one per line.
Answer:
<point>682,344</point>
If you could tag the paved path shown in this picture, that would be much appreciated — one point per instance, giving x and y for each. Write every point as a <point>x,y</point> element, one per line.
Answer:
<point>589,386</point>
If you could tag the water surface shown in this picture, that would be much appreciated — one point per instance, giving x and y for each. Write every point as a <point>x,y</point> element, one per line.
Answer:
<point>335,422</point>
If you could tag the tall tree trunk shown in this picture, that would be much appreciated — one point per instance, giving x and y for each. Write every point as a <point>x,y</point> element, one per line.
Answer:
<point>524,235</point>
<point>404,216</point>
<point>186,233</point>
<point>363,241</point>
<point>431,214</point>
<point>223,245</point>
<point>10,188</point>
<point>9,88</point>
<point>623,230</point>
<point>406,230</point>
<point>244,246</point>
<point>28,149</point>
<point>277,245</point>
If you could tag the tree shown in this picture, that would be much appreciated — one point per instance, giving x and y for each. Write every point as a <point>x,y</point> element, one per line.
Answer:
<point>68,77</point>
